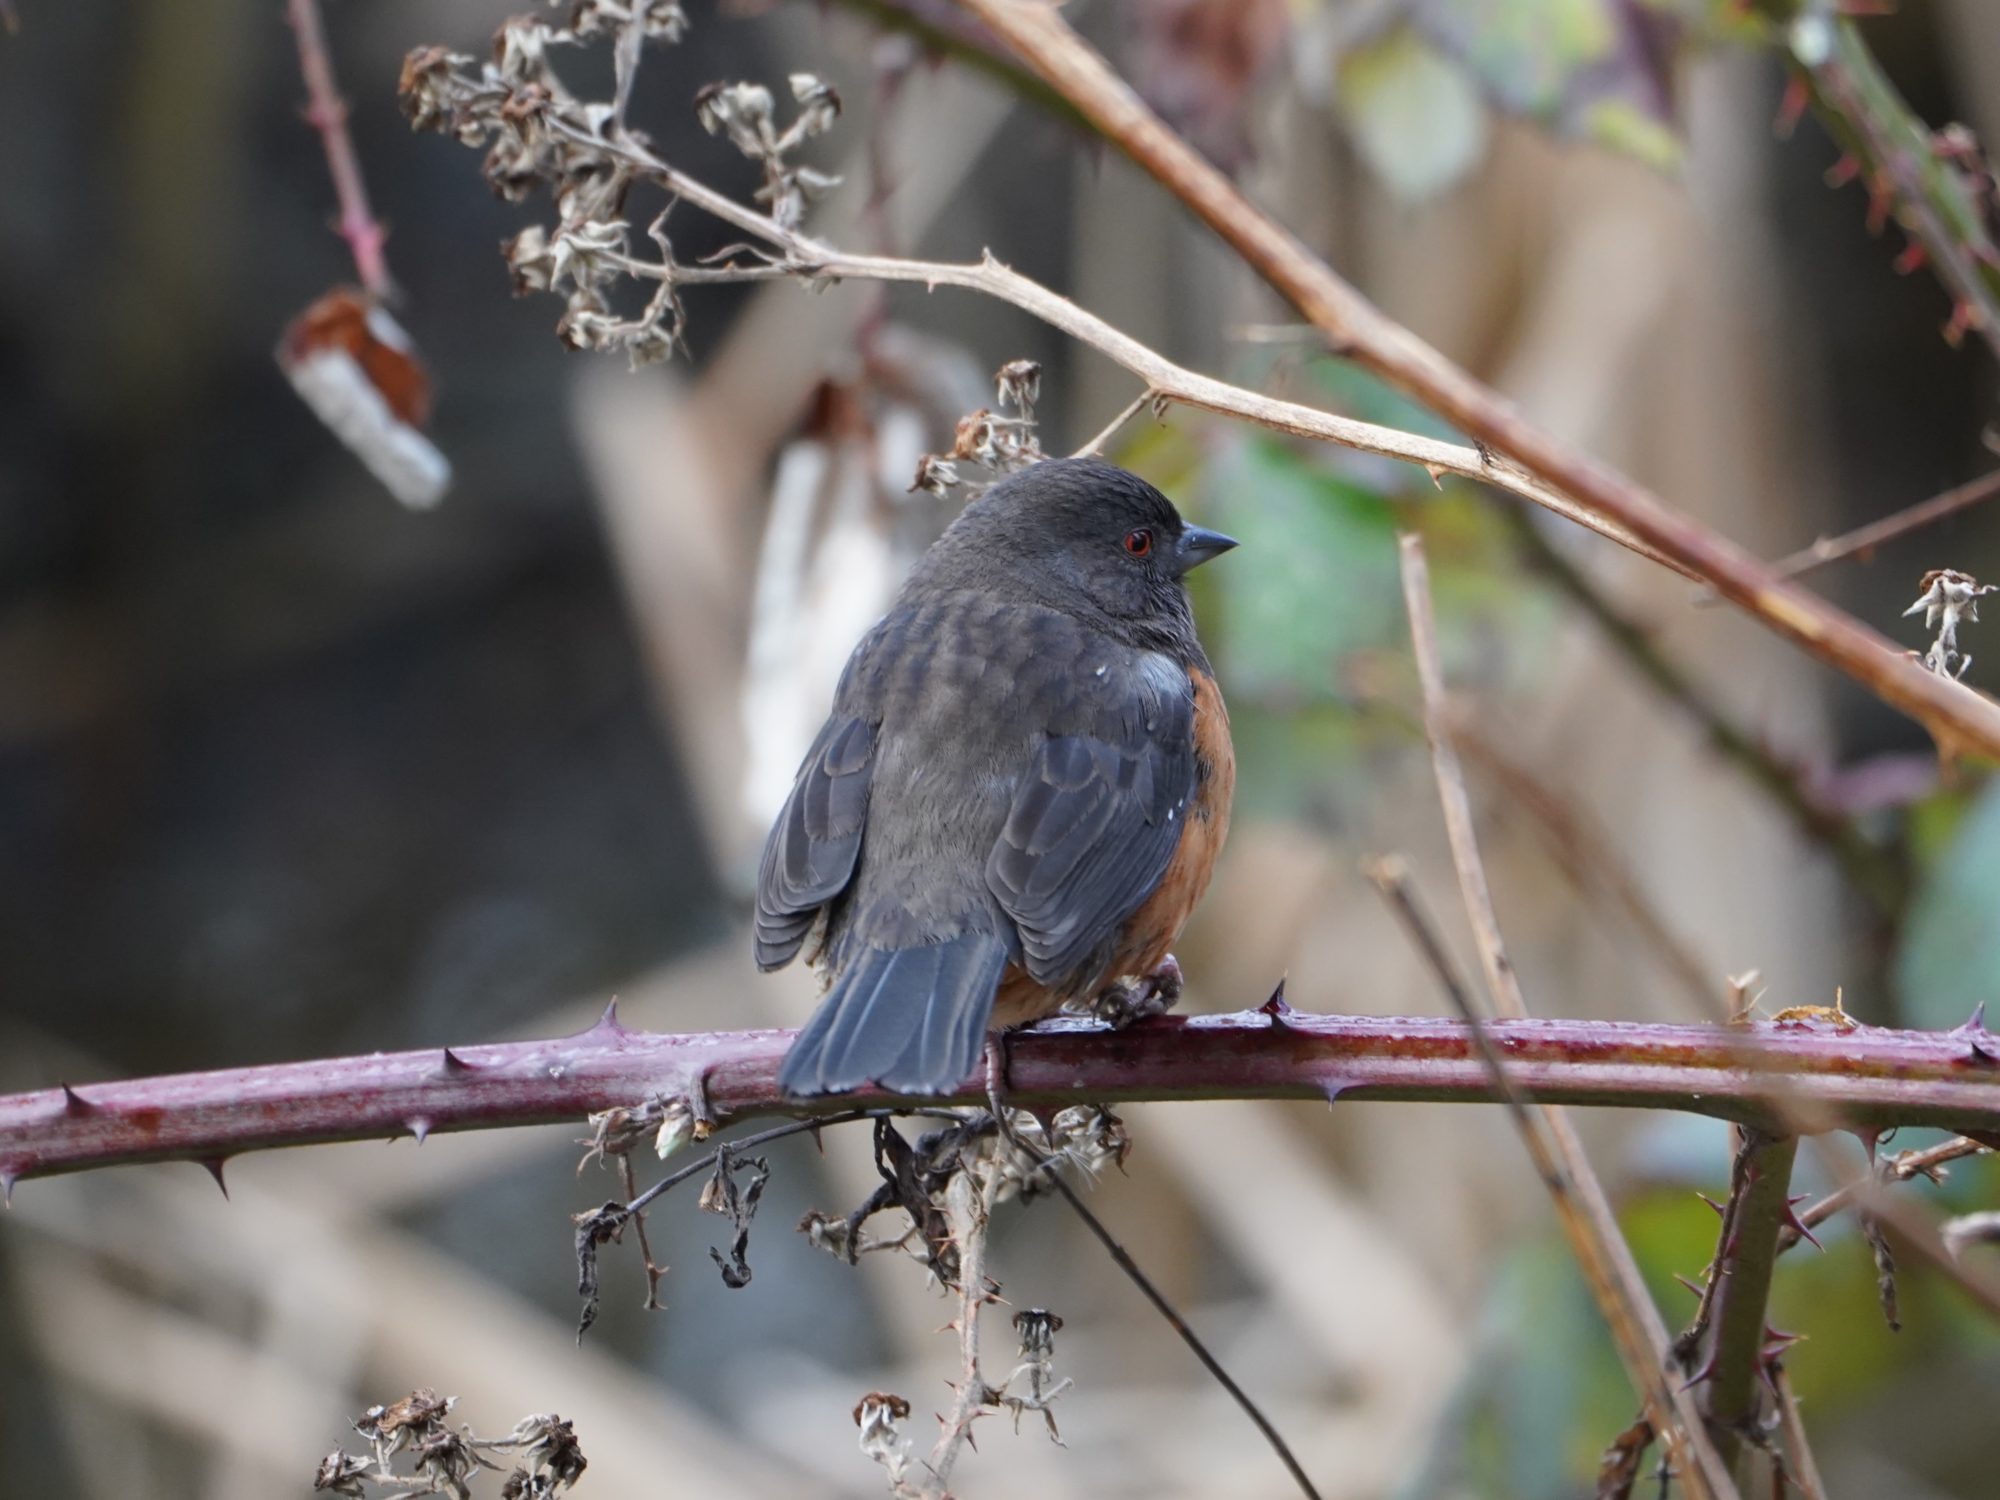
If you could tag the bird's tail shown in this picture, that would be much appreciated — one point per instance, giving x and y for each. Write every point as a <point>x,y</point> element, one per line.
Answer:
<point>911,1019</point>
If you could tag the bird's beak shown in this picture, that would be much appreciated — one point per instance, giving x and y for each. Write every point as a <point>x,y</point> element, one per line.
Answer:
<point>1198,544</point>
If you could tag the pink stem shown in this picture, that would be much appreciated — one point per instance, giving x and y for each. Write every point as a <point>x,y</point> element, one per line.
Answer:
<point>1761,1075</point>
<point>326,112</point>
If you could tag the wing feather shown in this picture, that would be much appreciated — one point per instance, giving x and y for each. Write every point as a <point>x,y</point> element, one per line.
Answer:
<point>816,842</point>
<point>1094,827</point>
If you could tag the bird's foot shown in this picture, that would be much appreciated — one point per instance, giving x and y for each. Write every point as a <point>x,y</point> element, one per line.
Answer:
<point>1138,997</point>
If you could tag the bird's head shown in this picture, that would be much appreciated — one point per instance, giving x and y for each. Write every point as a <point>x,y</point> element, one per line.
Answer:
<point>1084,537</point>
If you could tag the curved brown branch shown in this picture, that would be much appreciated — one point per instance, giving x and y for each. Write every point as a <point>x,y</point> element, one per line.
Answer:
<point>813,260</point>
<point>1760,1075</point>
<point>1958,718</point>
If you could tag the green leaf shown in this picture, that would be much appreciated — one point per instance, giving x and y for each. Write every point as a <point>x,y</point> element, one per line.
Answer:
<point>1328,588</point>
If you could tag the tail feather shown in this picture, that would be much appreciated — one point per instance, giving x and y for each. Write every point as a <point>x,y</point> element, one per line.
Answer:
<point>911,1019</point>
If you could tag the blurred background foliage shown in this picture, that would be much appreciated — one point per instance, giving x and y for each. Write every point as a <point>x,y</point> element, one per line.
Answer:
<point>286,770</point>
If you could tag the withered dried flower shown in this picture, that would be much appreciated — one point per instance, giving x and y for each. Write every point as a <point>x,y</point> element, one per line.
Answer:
<point>879,1415</point>
<point>742,111</point>
<point>401,1423</point>
<point>1018,384</point>
<point>1038,1328</point>
<point>819,102</point>
<point>342,1474</point>
<point>443,1460</point>
<point>1947,597</point>
<point>934,474</point>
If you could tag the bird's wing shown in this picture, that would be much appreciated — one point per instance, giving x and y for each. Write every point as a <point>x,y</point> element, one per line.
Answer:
<point>811,853</point>
<point>1094,826</point>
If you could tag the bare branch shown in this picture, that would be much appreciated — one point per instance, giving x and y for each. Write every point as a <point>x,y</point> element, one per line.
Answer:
<point>1898,1168</point>
<point>1582,1207</point>
<point>1800,1465</point>
<point>1858,1077</point>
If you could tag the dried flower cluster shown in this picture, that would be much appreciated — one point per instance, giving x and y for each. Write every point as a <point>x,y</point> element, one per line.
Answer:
<point>1948,596</point>
<point>747,115</point>
<point>537,133</point>
<point>440,1459</point>
<point>996,441</point>
<point>1017,1162</point>
<point>946,1186</point>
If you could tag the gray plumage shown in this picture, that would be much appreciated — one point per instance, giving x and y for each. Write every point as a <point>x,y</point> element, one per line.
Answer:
<point>1002,779</point>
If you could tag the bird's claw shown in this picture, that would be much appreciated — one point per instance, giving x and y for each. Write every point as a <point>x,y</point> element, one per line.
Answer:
<point>1137,997</point>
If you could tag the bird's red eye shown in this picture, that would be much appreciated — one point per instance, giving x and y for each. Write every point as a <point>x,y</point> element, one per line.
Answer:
<point>1139,542</point>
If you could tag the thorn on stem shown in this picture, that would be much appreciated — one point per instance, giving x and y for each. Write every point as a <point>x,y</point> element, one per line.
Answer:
<point>420,1127</point>
<point>454,1066</point>
<point>74,1103</point>
<point>213,1165</point>
<point>1277,1008</point>
<point>1792,1221</point>
<point>1706,1372</point>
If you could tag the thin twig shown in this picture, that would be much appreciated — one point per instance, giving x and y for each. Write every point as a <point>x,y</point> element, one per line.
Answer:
<point>966,1210</point>
<point>1865,539</point>
<point>1110,429</point>
<point>1914,1229</point>
<point>629,1180</point>
<point>1960,719</point>
<point>1175,1321</point>
<point>1800,1464</point>
<point>1900,1168</point>
<point>1666,1408</point>
<point>1582,1207</point>
<point>326,112</point>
